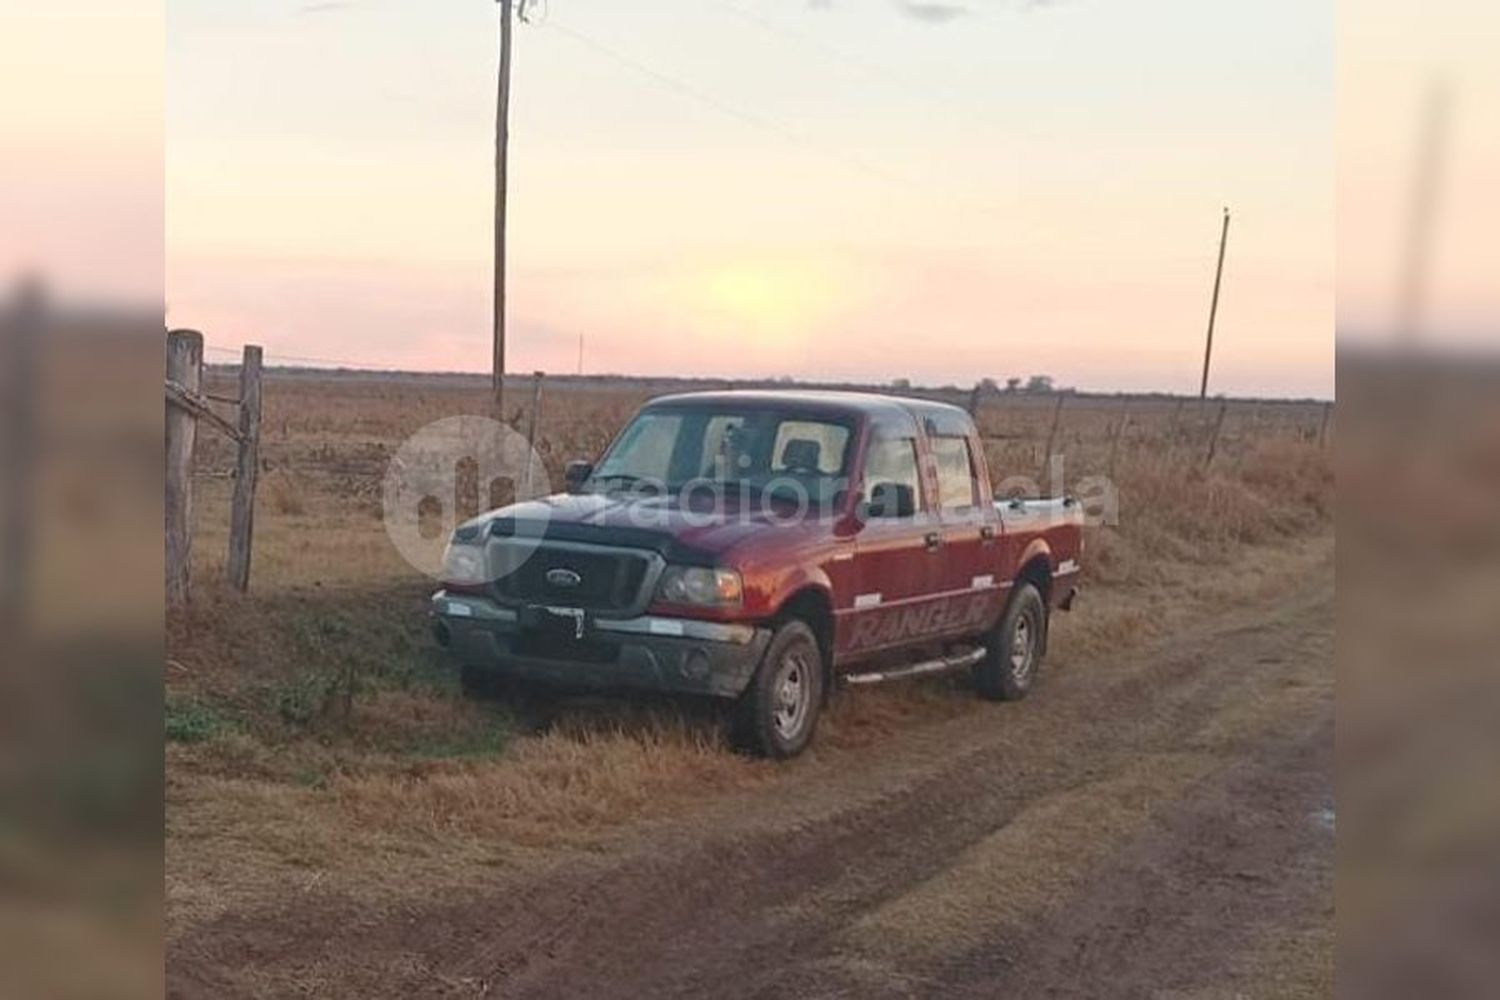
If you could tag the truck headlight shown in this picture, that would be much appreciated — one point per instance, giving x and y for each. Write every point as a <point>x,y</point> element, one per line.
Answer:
<point>700,585</point>
<point>464,564</point>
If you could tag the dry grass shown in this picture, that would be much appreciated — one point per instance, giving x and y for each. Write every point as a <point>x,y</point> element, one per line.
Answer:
<point>284,492</point>
<point>563,786</point>
<point>317,734</point>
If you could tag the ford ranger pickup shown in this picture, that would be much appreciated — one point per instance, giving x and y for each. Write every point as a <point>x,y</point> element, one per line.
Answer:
<point>762,547</point>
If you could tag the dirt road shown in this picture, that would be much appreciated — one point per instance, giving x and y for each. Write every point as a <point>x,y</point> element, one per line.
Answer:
<point>1157,825</point>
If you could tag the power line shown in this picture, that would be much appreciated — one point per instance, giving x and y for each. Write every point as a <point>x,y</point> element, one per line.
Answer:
<point>686,90</point>
<point>236,352</point>
<point>869,68</point>
<point>771,27</point>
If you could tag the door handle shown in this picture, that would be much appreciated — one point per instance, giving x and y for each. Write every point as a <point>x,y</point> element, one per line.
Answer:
<point>933,540</point>
<point>987,532</point>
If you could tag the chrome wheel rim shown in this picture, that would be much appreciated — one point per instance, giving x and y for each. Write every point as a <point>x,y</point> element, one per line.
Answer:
<point>1022,649</point>
<point>791,695</point>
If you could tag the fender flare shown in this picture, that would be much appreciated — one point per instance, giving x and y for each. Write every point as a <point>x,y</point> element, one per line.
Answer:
<point>1038,549</point>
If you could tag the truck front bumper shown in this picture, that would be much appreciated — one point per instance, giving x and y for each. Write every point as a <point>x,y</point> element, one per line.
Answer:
<point>649,653</point>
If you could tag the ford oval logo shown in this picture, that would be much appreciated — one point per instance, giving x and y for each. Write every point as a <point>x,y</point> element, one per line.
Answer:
<point>563,579</point>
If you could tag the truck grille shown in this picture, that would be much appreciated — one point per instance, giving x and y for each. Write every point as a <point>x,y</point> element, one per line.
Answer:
<point>578,578</point>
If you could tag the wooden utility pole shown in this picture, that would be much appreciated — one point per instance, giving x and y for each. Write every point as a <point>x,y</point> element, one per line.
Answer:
<point>185,370</point>
<point>247,465</point>
<point>1213,309</point>
<point>580,354</point>
<point>502,147</point>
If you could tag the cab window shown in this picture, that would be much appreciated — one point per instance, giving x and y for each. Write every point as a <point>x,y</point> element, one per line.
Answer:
<point>958,487</point>
<point>893,462</point>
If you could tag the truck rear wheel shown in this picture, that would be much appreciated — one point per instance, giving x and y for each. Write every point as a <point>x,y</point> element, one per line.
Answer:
<point>778,713</point>
<point>1014,648</point>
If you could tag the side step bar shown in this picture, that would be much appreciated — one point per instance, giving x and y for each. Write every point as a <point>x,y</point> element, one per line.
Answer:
<point>940,665</point>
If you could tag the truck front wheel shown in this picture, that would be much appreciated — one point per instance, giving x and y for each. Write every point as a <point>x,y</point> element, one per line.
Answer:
<point>778,712</point>
<point>1014,648</point>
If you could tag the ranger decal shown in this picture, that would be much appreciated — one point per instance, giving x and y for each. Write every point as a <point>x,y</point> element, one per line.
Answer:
<point>903,624</point>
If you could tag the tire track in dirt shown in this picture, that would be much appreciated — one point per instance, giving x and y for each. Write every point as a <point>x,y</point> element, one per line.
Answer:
<point>1244,856</point>
<point>1183,910</point>
<point>764,892</point>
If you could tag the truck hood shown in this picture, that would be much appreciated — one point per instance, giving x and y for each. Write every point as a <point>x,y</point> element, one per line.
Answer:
<point>688,530</point>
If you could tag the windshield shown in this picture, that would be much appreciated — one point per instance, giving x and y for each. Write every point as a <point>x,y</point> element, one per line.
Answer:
<point>751,449</point>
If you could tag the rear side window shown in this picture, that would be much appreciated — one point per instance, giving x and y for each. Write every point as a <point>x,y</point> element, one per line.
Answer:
<point>894,460</point>
<point>957,486</point>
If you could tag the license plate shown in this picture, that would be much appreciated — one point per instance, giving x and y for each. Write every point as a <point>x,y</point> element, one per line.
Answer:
<point>568,624</point>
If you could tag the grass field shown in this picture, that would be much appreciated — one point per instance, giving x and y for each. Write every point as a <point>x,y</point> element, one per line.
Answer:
<point>315,737</point>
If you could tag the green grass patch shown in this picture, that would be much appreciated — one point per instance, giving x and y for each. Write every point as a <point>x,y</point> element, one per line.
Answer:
<point>487,738</point>
<point>188,720</point>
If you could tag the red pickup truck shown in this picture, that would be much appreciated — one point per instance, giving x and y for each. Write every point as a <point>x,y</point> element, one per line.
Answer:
<point>762,547</point>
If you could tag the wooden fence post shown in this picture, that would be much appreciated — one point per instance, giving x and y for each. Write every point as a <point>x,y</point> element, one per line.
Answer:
<point>20,336</point>
<point>1114,444</point>
<point>1052,434</point>
<point>1323,425</point>
<point>247,465</point>
<point>184,368</point>
<point>1213,440</point>
<point>531,429</point>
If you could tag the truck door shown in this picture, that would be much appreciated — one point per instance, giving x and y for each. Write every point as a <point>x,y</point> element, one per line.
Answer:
<point>895,553</point>
<point>970,583</point>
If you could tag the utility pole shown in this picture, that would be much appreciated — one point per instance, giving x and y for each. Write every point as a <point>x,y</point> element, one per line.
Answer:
<point>1213,309</point>
<point>502,145</point>
<point>580,354</point>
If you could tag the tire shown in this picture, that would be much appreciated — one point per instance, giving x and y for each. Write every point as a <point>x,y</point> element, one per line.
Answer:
<point>1015,647</point>
<point>778,713</point>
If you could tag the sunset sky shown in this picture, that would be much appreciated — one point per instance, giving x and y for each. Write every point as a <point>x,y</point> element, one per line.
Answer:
<point>860,189</point>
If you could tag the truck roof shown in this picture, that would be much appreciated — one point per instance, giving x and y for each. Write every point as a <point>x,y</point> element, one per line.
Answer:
<point>938,417</point>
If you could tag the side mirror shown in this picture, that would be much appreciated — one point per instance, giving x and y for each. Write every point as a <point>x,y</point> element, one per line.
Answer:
<point>576,474</point>
<point>890,500</point>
